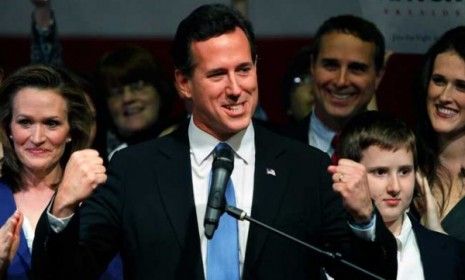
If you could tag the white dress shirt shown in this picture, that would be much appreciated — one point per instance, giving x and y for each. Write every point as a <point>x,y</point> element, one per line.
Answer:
<point>409,264</point>
<point>201,148</point>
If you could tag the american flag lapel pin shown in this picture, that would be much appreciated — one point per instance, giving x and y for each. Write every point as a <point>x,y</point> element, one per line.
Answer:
<point>270,171</point>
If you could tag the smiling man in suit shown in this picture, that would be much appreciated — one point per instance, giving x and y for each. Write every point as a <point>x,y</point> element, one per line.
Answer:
<point>153,204</point>
<point>347,65</point>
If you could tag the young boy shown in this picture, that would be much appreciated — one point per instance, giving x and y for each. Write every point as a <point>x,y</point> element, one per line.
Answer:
<point>385,147</point>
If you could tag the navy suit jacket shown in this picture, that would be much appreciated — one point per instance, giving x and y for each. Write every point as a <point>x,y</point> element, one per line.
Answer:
<point>298,130</point>
<point>442,256</point>
<point>146,210</point>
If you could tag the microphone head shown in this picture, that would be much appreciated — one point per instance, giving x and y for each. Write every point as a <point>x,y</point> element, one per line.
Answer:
<point>223,164</point>
<point>223,157</point>
<point>210,230</point>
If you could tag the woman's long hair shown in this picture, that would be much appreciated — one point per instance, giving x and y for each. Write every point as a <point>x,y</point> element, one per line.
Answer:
<point>427,139</point>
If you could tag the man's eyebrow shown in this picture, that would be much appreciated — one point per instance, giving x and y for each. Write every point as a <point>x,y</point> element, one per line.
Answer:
<point>328,59</point>
<point>215,71</point>
<point>244,64</point>
<point>358,65</point>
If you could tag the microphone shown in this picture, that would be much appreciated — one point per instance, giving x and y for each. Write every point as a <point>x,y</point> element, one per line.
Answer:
<point>223,164</point>
<point>241,215</point>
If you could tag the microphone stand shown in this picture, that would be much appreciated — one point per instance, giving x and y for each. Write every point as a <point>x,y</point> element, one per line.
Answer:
<point>242,215</point>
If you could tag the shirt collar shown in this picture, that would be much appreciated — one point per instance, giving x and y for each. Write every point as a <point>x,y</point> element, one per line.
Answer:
<point>405,233</point>
<point>322,132</point>
<point>202,143</point>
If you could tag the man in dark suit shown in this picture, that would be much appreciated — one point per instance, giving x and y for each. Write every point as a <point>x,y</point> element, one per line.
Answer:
<point>347,64</point>
<point>152,206</point>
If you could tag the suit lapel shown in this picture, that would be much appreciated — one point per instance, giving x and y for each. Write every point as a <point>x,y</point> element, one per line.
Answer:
<point>23,254</point>
<point>428,257</point>
<point>175,183</point>
<point>176,186</point>
<point>269,189</point>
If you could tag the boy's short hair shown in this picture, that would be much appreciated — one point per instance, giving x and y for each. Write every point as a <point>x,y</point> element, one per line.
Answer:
<point>373,128</point>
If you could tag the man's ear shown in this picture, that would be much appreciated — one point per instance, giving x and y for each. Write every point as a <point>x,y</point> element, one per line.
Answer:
<point>182,83</point>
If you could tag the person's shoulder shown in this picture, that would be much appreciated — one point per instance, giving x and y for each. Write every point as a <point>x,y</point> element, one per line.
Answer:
<point>297,129</point>
<point>433,238</point>
<point>151,149</point>
<point>159,144</point>
<point>446,249</point>
<point>4,187</point>
<point>291,145</point>
<point>7,205</point>
<point>3,184</point>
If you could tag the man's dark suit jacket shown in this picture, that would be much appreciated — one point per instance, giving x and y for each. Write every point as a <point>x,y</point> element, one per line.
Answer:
<point>298,130</point>
<point>442,256</point>
<point>146,210</point>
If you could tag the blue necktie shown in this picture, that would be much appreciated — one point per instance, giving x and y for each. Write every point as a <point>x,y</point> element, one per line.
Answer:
<point>223,248</point>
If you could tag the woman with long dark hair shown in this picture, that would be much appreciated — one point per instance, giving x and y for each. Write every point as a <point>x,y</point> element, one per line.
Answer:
<point>441,135</point>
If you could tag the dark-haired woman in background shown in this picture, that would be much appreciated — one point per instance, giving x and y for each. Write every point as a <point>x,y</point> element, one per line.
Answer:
<point>138,96</point>
<point>441,136</point>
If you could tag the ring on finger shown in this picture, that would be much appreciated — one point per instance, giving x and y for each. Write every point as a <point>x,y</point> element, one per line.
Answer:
<point>340,177</point>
